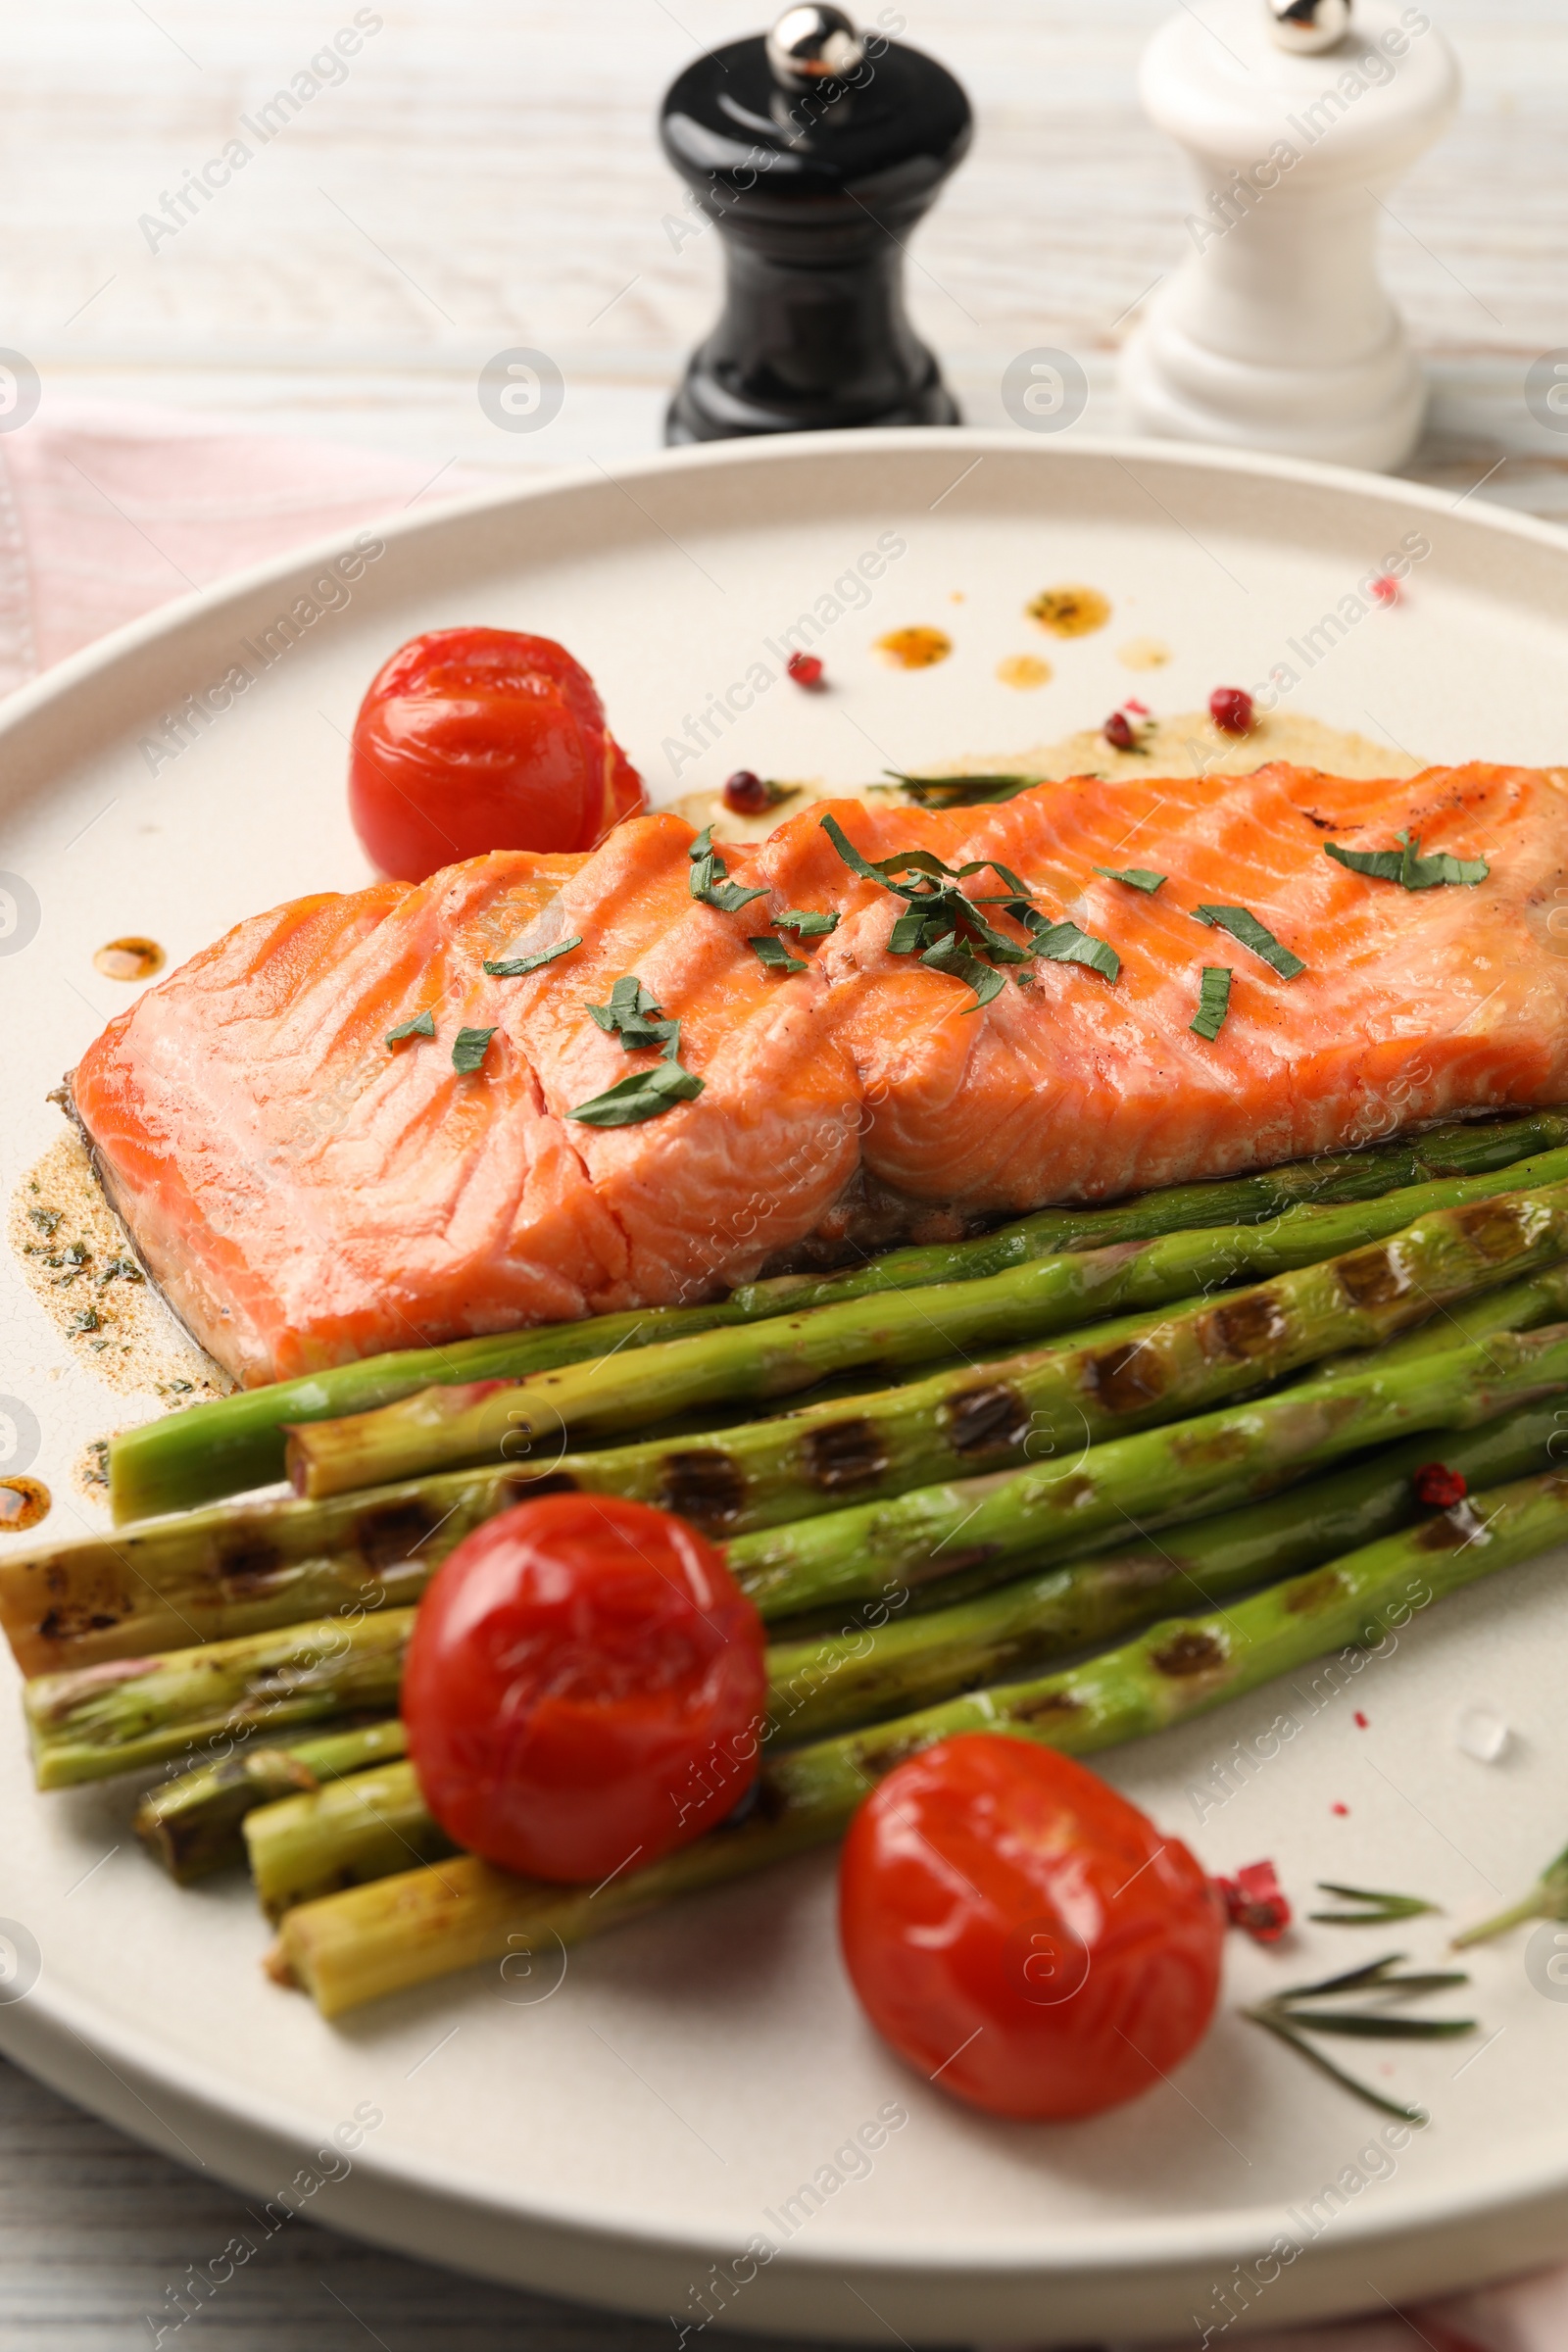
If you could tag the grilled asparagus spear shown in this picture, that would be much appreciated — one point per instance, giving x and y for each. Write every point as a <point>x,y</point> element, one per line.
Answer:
<point>302,1846</point>
<point>237,1441</point>
<point>222,1573</point>
<point>356,1946</point>
<point>444,1427</point>
<point>192,1825</point>
<point>127,1713</point>
<point>986,1525</point>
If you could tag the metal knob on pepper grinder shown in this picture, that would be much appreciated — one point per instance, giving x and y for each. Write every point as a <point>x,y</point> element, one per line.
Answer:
<point>814,151</point>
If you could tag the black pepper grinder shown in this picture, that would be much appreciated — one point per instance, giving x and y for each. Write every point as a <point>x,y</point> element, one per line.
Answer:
<point>816,151</point>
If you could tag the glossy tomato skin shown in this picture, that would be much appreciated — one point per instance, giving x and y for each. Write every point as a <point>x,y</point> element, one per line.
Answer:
<point>1017,1929</point>
<point>585,1685</point>
<point>472,739</point>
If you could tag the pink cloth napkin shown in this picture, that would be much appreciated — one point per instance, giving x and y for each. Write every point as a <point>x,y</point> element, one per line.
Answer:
<point>107,512</point>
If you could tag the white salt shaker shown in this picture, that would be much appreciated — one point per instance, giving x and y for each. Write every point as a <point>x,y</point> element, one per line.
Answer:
<point>1275,333</point>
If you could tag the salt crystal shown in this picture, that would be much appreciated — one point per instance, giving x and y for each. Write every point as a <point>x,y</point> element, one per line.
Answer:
<point>1483,1734</point>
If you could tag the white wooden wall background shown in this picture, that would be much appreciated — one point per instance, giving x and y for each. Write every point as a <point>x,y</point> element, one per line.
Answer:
<point>485,177</point>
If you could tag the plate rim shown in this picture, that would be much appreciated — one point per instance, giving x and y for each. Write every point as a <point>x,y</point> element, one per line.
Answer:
<point>1413,2223</point>
<point>168,619</point>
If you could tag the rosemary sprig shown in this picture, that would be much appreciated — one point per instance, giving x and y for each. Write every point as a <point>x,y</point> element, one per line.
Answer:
<point>1547,1899</point>
<point>1376,1909</point>
<point>1284,2017</point>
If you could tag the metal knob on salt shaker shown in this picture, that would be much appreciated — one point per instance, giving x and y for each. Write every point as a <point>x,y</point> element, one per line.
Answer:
<point>1276,332</point>
<point>814,151</point>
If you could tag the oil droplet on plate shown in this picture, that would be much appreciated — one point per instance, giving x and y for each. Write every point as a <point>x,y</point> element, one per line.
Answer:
<point>130,960</point>
<point>1143,653</point>
<point>1071,611</point>
<point>23,1501</point>
<point>916,649</point>
<point>1024,671</point>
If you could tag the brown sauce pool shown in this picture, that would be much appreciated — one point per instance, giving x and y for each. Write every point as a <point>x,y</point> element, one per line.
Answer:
<point>130,959</point>
<point>23,1501</point>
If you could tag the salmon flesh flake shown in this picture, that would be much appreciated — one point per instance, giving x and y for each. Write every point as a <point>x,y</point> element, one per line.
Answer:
<point>306,1193</point>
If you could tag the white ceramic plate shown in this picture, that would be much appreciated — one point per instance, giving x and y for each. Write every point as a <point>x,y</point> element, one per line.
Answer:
<point>616,2135</point>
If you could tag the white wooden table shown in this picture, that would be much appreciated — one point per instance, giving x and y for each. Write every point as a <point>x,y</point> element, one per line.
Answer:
<point>485,177</point>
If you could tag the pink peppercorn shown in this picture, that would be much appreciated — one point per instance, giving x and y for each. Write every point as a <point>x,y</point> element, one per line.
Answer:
<point>747,794</point>
<point>1231,709</point>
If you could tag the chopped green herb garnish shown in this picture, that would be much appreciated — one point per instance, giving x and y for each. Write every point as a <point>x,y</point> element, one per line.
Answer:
<point>849,852</point>
<point>635,1016</point>
<point>1064,943</point>
<point>1406,865</point>
<point>777,956</point>
<point>979,865</point>
<point>641,1096</point>
<point>941,924</point>
<point>1213,1001</point>
<point>513,967</point>
<point>1136,877</point>
<point>86,1320</point>
<point>961,792</point>
<point>421,1025</point>
<point>468,1050</point>
<point>911,861</point>
<point>636,1019</point>
<point>805,925</point>
<point>46,1219</point>
<point>908,934</point>
<point>1243,925</point>
<point>708,881</point>
<point>947,956</point>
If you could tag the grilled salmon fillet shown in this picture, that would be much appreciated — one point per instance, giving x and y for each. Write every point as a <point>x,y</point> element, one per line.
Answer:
<point>306,1193</point>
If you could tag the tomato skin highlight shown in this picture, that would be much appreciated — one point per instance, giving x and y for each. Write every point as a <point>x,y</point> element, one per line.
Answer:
<point>585,1685</point>
<point>472,739</point>
<point>1019,1931</point>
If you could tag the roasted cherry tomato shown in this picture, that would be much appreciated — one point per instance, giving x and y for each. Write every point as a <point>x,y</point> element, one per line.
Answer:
<point>585,1687</point>
<point>482,739</point>
<point>1024,1934</point>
